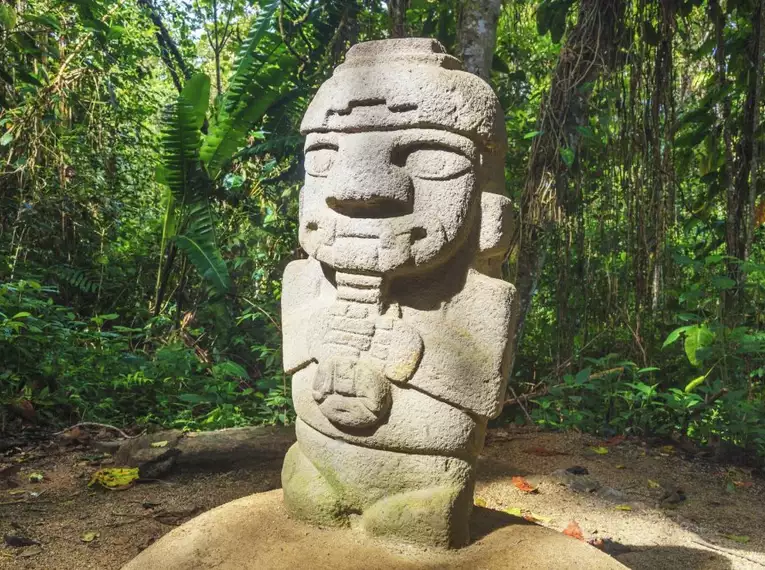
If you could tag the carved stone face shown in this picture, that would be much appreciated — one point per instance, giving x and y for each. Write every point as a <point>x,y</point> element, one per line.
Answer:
<point>402,147</point>
<point>382,201</point>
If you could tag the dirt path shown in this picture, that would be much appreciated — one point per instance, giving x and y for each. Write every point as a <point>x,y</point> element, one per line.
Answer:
<point>649,507</point>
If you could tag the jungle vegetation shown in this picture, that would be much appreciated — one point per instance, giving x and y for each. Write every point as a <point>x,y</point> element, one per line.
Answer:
<point>150,163</point>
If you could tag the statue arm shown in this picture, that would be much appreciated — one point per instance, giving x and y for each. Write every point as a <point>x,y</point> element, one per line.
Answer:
<point>466,357</point>
<point>304,296</point>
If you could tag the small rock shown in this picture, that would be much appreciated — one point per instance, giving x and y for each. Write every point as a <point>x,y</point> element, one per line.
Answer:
<point>611,494</point>
<point>673,498</point>
<point>15,541</point>
<point>577,483</point>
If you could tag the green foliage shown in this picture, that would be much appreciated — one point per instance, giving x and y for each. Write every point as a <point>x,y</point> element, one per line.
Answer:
<point>143,231</point>
<point>67,369</point>
<point>551,16</point>
<point>189,221</point>
<point>726,402</point>
<point>250,94</point>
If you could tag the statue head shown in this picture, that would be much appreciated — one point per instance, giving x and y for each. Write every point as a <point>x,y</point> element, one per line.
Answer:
<point>404,157</point>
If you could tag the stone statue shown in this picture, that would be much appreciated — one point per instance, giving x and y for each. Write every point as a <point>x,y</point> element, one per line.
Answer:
<point>397,327</point>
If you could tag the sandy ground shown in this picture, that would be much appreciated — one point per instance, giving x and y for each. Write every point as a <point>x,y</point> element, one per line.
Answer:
<point>654,508</point>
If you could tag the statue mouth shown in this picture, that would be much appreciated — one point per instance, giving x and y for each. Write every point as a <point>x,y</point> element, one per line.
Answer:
<point>384,229</point>
<point>375,245</point>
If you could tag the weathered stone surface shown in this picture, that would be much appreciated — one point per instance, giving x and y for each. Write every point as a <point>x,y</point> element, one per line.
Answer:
<point>255,533</point>
<point>397,328</point>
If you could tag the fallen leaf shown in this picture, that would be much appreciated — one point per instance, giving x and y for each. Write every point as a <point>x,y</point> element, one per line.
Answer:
<point>574,531</point>
<point>523,485</point>
<point>743,484</point>
<point>577,470</point>
<point>36,477</point>
<point>740,538</point>
<point>30,551</point>
<point>159,443</point>
<point>653,484</point>
<point>535,518</point>
<point>600,450</point>
<point>623,508</point>
<point>17,492</point>
<point>115,478</point>
<point>616,440</point>
<point>515,511</point>
<point>620,466</point>
<point>543,452</point>
<point>479,502</point>
<point>89,536</point>
<point>669,449</point>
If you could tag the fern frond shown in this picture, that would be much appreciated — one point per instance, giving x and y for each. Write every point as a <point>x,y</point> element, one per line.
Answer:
<point>77,278</point>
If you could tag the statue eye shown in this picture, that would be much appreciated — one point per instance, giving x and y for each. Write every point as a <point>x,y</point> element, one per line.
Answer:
<point>319,161</point>
<point>436,163</point>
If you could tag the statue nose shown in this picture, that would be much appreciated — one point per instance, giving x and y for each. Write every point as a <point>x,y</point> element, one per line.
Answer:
<point>371,192</point>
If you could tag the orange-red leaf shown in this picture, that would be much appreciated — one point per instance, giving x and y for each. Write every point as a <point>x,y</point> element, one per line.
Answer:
<point>616,440</point>
<point>523,485</point>
<point>743,484</point>
<point>574,531</point>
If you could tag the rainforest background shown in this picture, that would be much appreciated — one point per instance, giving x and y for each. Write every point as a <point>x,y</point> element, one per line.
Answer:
<point>150,163</point>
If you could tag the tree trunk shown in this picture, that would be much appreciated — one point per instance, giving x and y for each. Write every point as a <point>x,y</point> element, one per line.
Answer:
<point>589,50</point>
<point>477,35</point>
<point>740,198</point>
<point>397,12</point>
<point>171,55</point>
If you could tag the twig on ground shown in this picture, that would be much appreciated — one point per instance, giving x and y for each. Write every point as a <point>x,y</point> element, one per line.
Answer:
<point>104,426</point>
<point>726,551</point>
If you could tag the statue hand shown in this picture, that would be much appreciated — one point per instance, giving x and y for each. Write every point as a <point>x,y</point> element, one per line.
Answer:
<point>398,346</point>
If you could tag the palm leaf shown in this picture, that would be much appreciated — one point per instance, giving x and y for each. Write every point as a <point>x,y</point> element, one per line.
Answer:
<point>245,101</point>
<point>247,62</point>
<point>181,137</point>
<point>188,219</point>
<point>199,244</point>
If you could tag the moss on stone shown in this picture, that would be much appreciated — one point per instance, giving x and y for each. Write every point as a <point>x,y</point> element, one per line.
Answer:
<point>426,516</point>
<point>307,493</point>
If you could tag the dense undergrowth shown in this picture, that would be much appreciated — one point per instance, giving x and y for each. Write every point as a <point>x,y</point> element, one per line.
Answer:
<point>148,206</point>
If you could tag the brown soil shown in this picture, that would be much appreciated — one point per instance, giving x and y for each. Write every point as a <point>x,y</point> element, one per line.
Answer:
<point>717,526</point>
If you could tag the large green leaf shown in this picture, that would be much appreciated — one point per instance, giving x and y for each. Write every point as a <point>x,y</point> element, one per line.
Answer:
<point>7,16</point>
<point>199,244</point>
<point>697,337</point>
<point>247,62</point>
<point>196,94</point>
<point>229,132</point>
<point>674,335</point>
<point>180,149</point>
